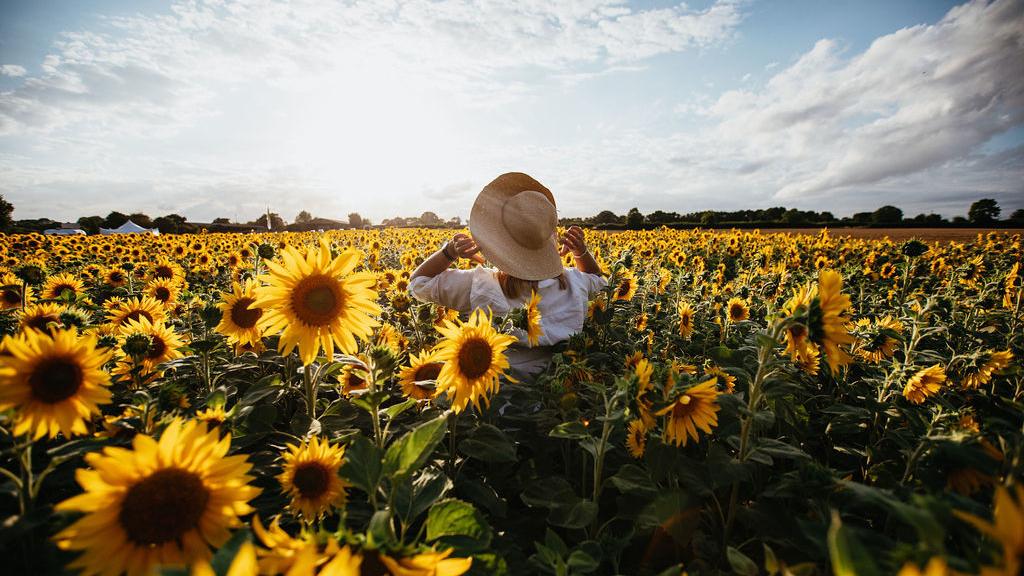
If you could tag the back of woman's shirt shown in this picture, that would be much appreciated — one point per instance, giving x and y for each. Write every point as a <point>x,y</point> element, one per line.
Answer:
<point>562,310</point>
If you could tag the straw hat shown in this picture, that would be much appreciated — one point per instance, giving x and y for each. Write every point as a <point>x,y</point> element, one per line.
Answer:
<point>514,223</point>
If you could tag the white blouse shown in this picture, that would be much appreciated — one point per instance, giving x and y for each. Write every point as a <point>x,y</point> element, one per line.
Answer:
<point>562,311</point>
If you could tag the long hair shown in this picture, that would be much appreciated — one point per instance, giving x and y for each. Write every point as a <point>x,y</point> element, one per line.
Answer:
<point>513,287</point>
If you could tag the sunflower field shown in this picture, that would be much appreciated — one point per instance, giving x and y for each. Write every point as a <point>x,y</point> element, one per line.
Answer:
<point>737,403</point>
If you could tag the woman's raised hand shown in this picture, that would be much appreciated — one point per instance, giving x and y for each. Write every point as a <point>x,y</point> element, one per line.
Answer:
<point>573,241</point>
<point>463,246</point>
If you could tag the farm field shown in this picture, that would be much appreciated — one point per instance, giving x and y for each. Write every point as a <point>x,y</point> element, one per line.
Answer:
<point>737,402</point>
<point>899,234</point>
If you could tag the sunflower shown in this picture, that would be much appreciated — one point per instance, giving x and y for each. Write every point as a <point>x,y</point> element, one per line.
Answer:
<point>311,478</point>
<point>626,288</point>
<point>685,312</point>
<point>423,368</point>
<point>240,318</point>
<point>431,563</point>
<point>120,312</point>
<point>392,339</point>
<point>881,338</point>
<point>474,357</point>
<point>317,302</point>
<point>352,379</point>
<point>163,291</point>
<point>935,567</point>
<point>980,375</point>
<point>636,438</point>
<point>828,319</point>
<point>738,310</point>
<point>695,408</point>
<point>927,382</point>
<point>212,415</point>
<point>1007,528</point>
<point>164,343</point>
<point>533,317</point>
<point>59,285</point>
<point>166,269</point>
<point>54,382</point>
<point>11,292</point>
<point>727,380</point>
<point>44,317</point>
<point>283,552</point>
<point>115,277</point>
<point>161,503</point>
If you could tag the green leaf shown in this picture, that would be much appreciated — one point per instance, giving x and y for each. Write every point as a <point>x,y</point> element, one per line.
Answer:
<point>740,562</point>
<point>849,556</point>
<point>380,527</point>
<point>411,451</point>
<point>581,562</point>
<point>550,492</point>
<point>578,515</point>
<point>454,517</point>
<point>362,464</point>
<point>392,412</point>
<point>570,431</point>
<point>488,444</point>
<point>221,561</point>
<point>631,479</point>
<point>411,499</point>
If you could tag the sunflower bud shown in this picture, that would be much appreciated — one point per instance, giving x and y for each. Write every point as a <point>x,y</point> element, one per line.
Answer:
<point>30,274</point>
<point>384,361</point>
<point>914,248</point>
<point>137,345</point>
<point>266,251</point>
<point>211,315</point>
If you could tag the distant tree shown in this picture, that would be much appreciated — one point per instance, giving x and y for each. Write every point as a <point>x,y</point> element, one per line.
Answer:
<point>794,217</point>
<point>634,219</point>
<point>91,224</point>
<point>303,217</point>
<point>825,217</point>
<point>355,220</point>
<point>661,217</point>
<point>932,219</point>
<point>606,217</point>
<point>222,221</point>
<point>455,222</point>
<point>984,211</point>
<point>1017,216</point>
<point>276,222</point>
<point>172,224</point>
<point>114,219</point>
<point>861,218</point>
<point>141,219</point>
<point>959,220</point>
<point>6,208</point>
<point>887,216</point>
<point>708,218</point>
<point>430,219</point>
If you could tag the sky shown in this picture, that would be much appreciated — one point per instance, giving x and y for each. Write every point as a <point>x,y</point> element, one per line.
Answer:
<point>225,108</point>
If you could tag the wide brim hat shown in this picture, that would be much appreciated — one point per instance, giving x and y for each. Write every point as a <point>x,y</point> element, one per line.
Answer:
<point>514,223</point>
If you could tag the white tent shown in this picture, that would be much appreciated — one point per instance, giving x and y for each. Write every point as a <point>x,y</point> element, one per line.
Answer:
<point>130,227</point>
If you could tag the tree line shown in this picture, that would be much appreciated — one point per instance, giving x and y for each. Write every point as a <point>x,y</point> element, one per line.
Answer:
<point>984,212</point>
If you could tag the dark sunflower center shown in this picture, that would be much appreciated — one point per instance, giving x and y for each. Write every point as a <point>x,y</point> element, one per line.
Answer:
<point>55,379</point>
<point>157,347</point>
<point>475,358</point>
<point>736,311</point>
<point>162,294</point>
<point>311,479</point>
<point>242,315</point>
<point>136,314</point>
<point>41,322</point>
<point>59,289</point>
<point>116,277</point>
<point>163,507</point>
<point>317,300</point>
<point>623,289</point>
<point>428,371</point>
<point>12,297</point>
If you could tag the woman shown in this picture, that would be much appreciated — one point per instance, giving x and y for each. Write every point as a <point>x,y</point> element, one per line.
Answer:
<point>513,224</point>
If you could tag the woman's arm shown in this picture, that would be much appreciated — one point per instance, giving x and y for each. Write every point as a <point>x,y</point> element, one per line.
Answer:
<point>574,242</point>
<point>460,246</point>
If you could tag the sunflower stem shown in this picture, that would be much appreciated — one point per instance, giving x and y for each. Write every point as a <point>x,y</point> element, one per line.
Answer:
<point>310,388</point>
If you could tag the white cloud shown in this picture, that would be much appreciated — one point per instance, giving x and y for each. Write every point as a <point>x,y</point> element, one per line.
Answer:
<point>915,100</point>
<point>12,70</point>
